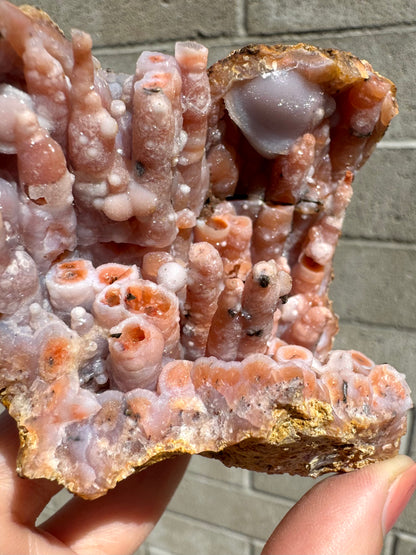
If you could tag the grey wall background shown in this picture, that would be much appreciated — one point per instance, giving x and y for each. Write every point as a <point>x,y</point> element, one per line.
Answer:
<point>221,511</point>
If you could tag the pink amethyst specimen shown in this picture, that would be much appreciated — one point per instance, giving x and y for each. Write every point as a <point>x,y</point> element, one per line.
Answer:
<point>166,245</point>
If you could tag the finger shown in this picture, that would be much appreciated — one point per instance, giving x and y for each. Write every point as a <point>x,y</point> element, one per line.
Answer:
<point>121,520</point>
<point>22,499</point>
<point>347,514</point>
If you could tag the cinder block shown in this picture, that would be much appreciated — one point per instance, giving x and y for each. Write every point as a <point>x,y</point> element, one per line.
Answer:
<point>383,205</point>
<point>143,550</point>
<point>123,60</point>
<point>257,547</point>
<point>54,505</point>
<point>242,511</point>
<point>388,544</point>
<point>412,426</point>
<point>218,50</point>
<point>151,550</point>
<point>405,545</point>
<point>216,470</point>
<point>269,16</point>
<point>406,521</point>
<point>133,21</point>
<point>179,535</point>
<point>375,283</point>
<point>289,487</point>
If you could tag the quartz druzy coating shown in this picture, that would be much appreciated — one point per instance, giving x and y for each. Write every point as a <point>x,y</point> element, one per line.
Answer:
<point>166,246</point>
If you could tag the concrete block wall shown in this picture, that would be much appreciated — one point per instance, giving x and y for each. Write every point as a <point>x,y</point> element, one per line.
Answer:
<point>218,510</point>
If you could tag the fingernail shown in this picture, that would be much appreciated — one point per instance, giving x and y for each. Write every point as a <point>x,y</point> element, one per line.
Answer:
<point>398,496</point>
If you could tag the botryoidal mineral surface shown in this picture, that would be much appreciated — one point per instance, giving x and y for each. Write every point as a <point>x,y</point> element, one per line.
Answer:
<point>166,246</point>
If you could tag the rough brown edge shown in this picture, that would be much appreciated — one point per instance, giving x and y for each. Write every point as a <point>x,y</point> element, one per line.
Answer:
<point>254,58</point>
<point>38,15</point>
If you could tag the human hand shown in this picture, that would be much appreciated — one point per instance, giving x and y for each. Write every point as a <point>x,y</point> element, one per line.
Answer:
<point>114,524</point>
<point>348,514</point>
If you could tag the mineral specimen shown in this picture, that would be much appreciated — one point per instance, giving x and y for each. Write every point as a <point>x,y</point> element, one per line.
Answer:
<point>166,244</point>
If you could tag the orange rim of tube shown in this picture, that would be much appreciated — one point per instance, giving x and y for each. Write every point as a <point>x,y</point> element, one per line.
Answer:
<point>148,300</point>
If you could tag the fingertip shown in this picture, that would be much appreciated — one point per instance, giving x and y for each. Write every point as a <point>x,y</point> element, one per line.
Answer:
<point>399,493</point>
<point>391,468</point>
<point>347,513</point>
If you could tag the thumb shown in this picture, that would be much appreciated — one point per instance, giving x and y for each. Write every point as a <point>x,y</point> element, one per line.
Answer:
<point>348,513</point>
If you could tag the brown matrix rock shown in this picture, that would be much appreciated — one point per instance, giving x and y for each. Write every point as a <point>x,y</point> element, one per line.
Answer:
<point>166,246</point>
